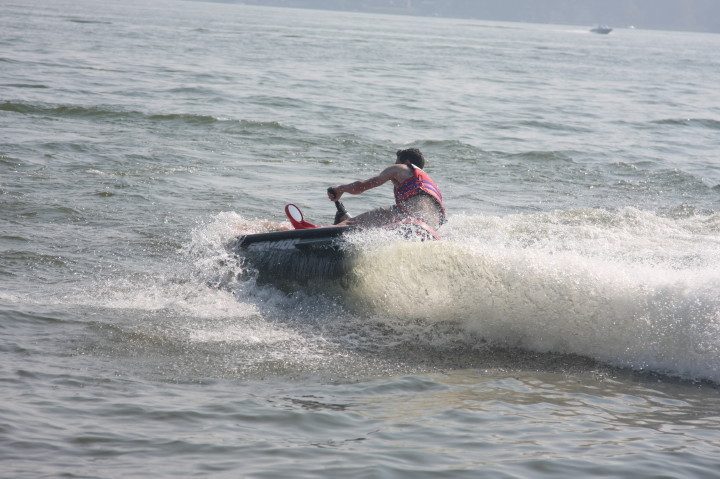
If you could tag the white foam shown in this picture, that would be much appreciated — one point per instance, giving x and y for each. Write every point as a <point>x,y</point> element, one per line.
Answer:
<point>629,288</point>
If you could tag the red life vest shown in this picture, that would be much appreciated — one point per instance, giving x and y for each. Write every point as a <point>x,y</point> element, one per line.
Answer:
<point>420,183</point>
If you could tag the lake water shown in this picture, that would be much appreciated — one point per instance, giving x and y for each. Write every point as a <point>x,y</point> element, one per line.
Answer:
<point>567,325</point>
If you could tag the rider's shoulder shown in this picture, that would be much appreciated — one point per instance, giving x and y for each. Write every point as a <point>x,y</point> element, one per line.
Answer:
<point>395,169</point>
<point>403,172</point>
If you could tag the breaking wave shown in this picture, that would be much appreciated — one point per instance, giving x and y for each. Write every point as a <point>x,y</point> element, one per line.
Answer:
<point>630,288</point>
<point>627,288</point>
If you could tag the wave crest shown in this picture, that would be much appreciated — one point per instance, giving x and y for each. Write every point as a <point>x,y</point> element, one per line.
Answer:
<point>629,288</point>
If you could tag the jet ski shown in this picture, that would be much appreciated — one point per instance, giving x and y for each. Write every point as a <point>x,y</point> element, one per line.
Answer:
<point>602,29</point>
<point>311,256</point>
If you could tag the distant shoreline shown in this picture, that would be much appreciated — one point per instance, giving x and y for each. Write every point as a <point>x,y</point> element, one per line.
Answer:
<point>673,15</point>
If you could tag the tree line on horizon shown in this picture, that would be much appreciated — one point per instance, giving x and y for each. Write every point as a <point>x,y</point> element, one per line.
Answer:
<point>688,15</point>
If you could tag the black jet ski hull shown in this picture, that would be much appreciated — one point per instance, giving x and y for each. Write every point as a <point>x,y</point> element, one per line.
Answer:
<point>311,259</point>
<point>296,259</point>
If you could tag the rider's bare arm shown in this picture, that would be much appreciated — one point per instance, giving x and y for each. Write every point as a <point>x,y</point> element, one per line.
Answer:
<point>357,187</point>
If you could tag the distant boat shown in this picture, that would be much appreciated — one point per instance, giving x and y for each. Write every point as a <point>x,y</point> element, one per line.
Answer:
<point>604,29</point>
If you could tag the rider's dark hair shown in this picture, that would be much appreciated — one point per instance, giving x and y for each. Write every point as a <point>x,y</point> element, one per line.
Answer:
<point>413,155</point>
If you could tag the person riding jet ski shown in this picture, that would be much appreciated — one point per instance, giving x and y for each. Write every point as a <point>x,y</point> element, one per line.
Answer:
<point>416,194</point>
